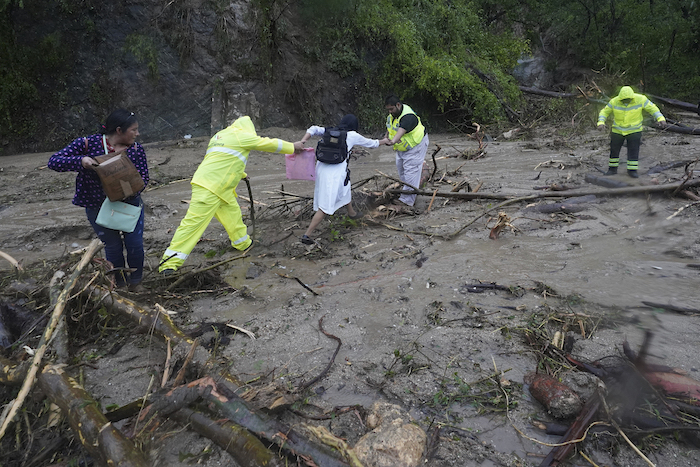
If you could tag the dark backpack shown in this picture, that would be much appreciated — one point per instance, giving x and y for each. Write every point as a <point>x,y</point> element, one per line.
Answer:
<point>333,147</point>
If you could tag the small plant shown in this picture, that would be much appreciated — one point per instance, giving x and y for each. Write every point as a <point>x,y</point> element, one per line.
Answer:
<point>144,49</point>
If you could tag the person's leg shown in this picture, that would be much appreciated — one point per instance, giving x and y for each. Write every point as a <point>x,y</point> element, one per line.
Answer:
<point>351,210</point>
<point>114,247</point>
<point>318,217</point>
<point>230,216</point>
<point>203,206</point>
<point>616,142</point>
<point>134,251</point>
<point>413,168</point>
<point>634,141</point>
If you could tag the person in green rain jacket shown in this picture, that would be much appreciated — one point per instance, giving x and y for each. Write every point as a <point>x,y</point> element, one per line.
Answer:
<point>627,111</point>
<point>214,190</point>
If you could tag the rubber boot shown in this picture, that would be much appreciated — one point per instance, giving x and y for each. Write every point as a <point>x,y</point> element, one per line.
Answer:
<point>633,173</point>
<point>611,171</point>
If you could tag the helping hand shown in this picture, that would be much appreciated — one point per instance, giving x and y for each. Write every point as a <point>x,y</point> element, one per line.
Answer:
<point>298,147</point>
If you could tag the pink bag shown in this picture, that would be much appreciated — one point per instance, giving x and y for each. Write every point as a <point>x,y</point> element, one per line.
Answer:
<point>301,166</point>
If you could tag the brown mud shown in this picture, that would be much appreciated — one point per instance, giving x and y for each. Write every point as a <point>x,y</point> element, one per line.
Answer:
<point>413,332</point>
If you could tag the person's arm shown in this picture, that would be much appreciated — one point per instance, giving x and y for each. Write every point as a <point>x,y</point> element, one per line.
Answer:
<point>72,158</point>
<point>305,138</point>
<point>603,116</point>
<point>654,111</point>
<point>356,139</point>
<point>397,137</point>
<point>314,130</point>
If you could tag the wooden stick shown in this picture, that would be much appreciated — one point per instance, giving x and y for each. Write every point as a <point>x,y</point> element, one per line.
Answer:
<point>11,260</point>
<point>93,248</point>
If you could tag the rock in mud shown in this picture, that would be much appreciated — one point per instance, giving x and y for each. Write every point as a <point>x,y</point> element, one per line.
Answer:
<point>394,440</point>
<point>558,398</point>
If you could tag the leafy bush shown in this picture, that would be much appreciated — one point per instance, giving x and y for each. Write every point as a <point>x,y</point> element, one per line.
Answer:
<point>438,52</point>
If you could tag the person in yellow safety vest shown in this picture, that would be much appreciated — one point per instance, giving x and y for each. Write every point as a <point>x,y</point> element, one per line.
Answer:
<point>214,190</point>
<point>627,111</point>
<point>407,135</point>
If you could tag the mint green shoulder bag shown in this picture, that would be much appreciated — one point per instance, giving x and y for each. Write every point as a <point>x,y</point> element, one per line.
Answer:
<point>116,215</point>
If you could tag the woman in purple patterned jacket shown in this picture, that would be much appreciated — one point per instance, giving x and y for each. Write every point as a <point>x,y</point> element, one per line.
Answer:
<point>118,133</point>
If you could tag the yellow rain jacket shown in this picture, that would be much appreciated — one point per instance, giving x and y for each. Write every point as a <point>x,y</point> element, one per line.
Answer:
<point>224,163</point>
<point>410,139</point>
<point>628,118</point>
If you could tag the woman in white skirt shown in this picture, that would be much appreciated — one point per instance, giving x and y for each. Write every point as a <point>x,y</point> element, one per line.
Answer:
<point>333,187</point>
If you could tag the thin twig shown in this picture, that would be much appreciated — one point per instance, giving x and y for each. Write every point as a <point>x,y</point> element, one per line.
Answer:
<point>299,281</point>
<point>330,363</point>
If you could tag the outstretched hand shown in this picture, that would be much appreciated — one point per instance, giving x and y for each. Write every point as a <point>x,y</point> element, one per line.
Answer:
<point>385,141</point>
<point>600,128</point>
<point>298,147</point>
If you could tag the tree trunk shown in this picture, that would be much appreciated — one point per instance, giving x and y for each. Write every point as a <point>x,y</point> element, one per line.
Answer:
<point>106,444</point>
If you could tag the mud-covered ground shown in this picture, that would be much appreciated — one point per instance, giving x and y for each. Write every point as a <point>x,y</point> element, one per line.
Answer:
<point>413,332</point>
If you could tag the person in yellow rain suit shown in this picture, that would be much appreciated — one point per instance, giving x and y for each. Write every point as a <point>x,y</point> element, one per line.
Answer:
<point>627,111</point>
<point>214,190</point>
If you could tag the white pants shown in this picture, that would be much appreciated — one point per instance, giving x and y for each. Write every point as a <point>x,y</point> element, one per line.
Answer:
<point>410,166</point>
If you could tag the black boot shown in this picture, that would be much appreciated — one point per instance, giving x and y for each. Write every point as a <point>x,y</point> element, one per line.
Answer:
<point>611,171</point>
<point>633,173</point>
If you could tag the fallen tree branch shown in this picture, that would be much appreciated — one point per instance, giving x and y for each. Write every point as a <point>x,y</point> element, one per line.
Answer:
<point>160,323</point>
<point>106,444</point>
<point>92,249</point>
<point>244,447</point>
<point>231,406</point>
<point>330,363</point>
<point>11,260</point>
<point>629,190</point>
<point>299,281</point>
<point>676,309</point>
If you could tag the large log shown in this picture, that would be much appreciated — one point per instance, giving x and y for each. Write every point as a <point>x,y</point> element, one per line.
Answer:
<point>107,445</point>
<point>676,103</point>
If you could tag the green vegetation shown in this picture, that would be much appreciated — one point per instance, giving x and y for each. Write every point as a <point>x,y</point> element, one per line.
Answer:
<point>449,59</point>
<point>436,54</point>
<point>146,52</point>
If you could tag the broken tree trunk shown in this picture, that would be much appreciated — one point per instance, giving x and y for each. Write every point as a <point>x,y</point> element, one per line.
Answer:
<point>11,373</point>
<point>159,322</point>
<point>92,249</point>
<point>246,449</point>
<point>682,129</point>
<point>106,444</point>
<point>234,408</point>
<point>675,103</point>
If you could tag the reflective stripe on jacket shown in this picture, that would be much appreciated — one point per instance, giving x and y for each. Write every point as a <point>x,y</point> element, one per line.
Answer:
<point>224,163</point>
<point>628,118</point>
<point>411,138</point>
